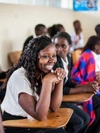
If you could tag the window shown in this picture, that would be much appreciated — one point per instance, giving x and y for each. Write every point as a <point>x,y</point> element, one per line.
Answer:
<point>54,3</point>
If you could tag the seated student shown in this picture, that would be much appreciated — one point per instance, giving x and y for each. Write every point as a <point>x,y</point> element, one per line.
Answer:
<point>54,29</point>
<point>97,29</point>
<point>87,69</point>
<point>77,36</point>
<point>63,43</point>
<point>40,29</point>
<point>32,89</point>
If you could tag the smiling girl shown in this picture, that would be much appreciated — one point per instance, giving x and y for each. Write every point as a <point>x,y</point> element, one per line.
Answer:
<point>31,87</point>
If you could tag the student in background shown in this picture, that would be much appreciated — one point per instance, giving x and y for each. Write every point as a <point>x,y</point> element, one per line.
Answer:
<point>63,43</point>
<point>97,29</point>
<point>32,89</point>
<point>60,28</point>
<point>40,29</point>
<point>77,36</point>
<point>86,70</point>
<point>53,30</point>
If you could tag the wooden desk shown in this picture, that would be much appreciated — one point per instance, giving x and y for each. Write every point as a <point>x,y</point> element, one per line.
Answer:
<point>81,97</point>
<point>75,55</point>
<point>54,120</point>
<point>2,80</point>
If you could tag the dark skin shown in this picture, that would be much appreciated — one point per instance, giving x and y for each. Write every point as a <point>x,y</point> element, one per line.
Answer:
<point>63,46</point>
<point>77,27</point>
<point>52,86</point>
<point>96,49</point>
<point>41,31</point>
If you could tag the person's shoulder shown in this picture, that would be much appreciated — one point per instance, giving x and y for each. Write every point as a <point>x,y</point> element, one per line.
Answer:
<point>86,54</point>
<point>19,73</point>
<point>30,37</point>
<point>88,51</point>
<point>19,76</point>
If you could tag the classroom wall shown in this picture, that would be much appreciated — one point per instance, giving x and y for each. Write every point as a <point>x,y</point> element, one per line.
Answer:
<point>17,22</point>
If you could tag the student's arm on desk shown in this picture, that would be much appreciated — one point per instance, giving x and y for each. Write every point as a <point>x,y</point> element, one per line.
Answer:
<point>87,88</point>
<point>54,120</point>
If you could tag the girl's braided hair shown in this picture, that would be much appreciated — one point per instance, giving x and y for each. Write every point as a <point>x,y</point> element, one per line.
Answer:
<point>29,59</point>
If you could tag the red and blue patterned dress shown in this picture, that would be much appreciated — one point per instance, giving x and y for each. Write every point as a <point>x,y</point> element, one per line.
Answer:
<point>82,73</point>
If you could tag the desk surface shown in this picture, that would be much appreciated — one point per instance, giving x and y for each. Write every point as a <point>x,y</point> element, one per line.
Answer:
<point>81,97</point>
<point>54,120</point>
<point>2,80</point>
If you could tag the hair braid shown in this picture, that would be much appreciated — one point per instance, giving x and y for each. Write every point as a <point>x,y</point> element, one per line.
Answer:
<point>29,58</point>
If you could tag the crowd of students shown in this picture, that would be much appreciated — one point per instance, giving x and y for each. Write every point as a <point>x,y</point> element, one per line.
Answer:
<point>45,71</point>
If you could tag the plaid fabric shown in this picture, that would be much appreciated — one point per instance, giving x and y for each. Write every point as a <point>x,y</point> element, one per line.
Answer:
<point>82,73</point>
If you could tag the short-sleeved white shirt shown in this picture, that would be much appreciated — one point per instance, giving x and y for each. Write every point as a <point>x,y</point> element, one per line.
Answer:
<point>17,83</point>
<point>80,43</point>
<point>97,61</point>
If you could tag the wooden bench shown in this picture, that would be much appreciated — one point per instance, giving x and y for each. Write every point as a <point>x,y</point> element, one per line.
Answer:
<point>54,120</point>
<point>2,80</point>
<point>14,57</point>
<point>81,97</point>
<point>75,55</point>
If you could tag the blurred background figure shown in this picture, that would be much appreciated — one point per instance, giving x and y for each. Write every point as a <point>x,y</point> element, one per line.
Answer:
<point>40,29</point>
<point>77,36</point>
<point>53,30</point>
<point>60,27</point>
<point>97,29</point>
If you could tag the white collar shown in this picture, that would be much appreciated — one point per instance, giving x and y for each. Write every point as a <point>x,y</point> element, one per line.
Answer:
<point>65,62</point>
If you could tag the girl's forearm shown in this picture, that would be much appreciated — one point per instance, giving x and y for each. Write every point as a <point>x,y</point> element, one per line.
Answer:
<point>43,103</point>
<point>56,97</point>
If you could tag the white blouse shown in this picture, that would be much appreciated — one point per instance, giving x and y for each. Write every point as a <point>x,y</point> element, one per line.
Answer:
<point>97,61</point>
<point>17,84</point>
